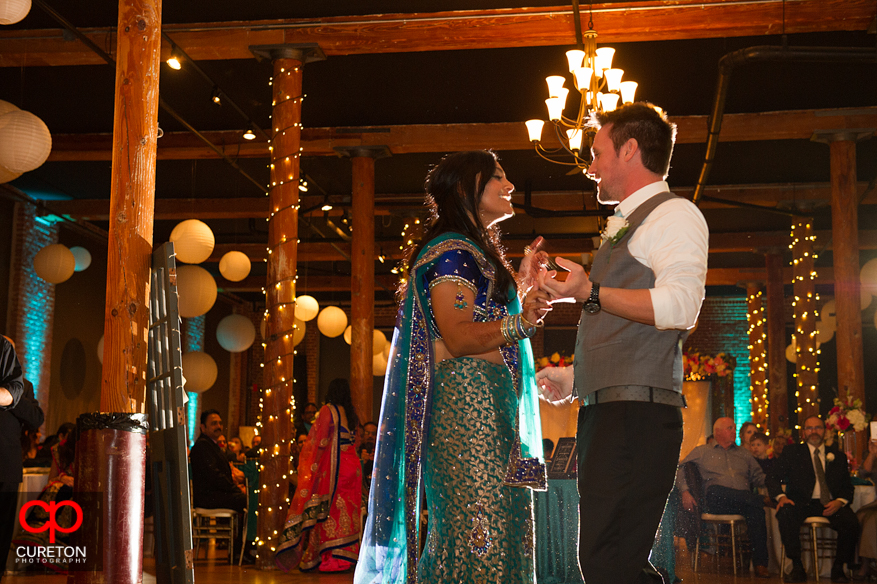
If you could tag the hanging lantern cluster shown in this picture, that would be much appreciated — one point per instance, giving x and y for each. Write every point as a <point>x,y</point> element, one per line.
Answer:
<point>25,141</point>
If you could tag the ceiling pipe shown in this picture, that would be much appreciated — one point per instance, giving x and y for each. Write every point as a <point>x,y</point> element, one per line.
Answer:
<point>764,53</point>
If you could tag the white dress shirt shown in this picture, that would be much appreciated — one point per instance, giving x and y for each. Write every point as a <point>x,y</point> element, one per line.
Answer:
<point>817,491</point>
<point>673,242</point>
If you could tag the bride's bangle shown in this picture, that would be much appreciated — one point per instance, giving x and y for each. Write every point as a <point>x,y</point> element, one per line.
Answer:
<point>513,328</point>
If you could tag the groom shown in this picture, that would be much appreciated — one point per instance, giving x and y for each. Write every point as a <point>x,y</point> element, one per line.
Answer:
<point>643,295</point>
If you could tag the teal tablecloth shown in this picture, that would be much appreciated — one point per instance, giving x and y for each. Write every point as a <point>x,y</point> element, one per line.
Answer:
<point>557,533</point>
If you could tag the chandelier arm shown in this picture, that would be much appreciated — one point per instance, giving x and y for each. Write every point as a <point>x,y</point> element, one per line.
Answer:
<point>540,150</point>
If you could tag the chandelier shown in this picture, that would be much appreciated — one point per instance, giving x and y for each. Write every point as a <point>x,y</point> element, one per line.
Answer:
<point>601,90</point>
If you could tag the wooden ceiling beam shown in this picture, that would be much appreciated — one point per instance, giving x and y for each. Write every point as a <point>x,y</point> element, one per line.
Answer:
<point>659,20</point>
<point>789,125</point>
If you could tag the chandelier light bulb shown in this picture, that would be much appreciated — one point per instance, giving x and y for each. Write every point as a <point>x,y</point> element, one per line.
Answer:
<point>555,107</point>
<point>628,91</point>
<point>583,78</point>
<point>608,101</point>
<point>534,129</point>
<point>613,79</point>
<point>555,86</point>
<point>575,139</point>
<point>604,59</point>
<point>575,59</point>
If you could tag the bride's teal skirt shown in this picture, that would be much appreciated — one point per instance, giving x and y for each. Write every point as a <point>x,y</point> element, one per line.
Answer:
<point>478,529</point>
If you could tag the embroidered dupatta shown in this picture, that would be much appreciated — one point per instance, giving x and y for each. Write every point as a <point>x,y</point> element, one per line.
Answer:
<point>392,532</point>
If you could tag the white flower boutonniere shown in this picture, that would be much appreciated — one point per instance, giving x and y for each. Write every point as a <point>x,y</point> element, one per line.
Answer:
<point>615,229</point>
<point>829,456</point>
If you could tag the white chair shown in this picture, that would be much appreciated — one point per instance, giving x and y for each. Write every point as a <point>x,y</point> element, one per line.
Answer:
<point>819,546</point>
<point>206,526</point>
<point>721,540</point>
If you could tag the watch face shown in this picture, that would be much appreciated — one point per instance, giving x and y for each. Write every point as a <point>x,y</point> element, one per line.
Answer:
<point>591,307</point>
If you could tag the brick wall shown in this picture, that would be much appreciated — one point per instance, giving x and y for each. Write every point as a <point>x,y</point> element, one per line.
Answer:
<point>31,309</point>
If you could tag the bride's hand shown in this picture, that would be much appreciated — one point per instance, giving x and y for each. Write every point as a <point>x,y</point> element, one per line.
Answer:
<point>535,306</point>
<point>534,259</point>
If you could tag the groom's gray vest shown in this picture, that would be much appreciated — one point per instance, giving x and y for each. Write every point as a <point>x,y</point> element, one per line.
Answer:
<point>613,351</point>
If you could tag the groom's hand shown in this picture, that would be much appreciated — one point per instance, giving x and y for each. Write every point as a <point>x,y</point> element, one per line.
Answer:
<point>576,287</point>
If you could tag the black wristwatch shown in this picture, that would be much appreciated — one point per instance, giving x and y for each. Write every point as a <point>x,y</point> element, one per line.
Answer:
<point>592,304</point>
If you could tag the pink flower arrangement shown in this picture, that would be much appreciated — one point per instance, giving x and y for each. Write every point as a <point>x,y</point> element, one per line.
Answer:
<point>847,413</point>
<point>700,366</point>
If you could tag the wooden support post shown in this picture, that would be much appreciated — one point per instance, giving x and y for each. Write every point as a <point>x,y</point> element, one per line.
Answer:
<point>132,204</point>
<point>757,355</point>
<point>776,343</point>
<point>277,406</point>
<point>362,280</point>
<point>807,361</point>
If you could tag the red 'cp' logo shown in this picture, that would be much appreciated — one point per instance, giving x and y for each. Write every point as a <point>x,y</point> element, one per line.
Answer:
<point>52,524</point>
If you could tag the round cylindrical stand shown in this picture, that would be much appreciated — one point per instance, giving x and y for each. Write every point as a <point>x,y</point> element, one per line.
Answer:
<point>109,477</point>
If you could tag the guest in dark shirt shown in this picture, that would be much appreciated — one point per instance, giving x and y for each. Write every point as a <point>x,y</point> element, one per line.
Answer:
<point>758,447</point>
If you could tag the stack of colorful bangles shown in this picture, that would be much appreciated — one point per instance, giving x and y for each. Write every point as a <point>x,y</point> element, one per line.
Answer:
<point>516,327</point>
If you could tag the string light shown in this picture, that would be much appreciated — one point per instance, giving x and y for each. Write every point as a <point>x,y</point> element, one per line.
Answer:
<point>806,316</point>
<point>758,360</point>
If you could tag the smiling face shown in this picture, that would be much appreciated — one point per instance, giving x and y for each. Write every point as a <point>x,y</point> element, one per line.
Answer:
<point>213,427</point>
<point>496,200</point>
<point>606,168</point>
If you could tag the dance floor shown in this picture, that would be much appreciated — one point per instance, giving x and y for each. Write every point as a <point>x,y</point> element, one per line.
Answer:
<point>217,571</point>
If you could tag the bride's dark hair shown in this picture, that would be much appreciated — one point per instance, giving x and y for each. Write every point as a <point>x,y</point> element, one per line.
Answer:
<point>453,193</point>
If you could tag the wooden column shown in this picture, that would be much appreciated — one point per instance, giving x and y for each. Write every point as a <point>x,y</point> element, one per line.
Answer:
<point>757,355</point>
<point>807,362</point>
<point>132,203</point>
<point>845,242</point>
<point>362,280</point>
<point>776,343</point>
<point>277,405</point>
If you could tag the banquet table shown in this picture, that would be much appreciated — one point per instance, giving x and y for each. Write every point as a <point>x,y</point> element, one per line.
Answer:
<point>863,495</point>
<point>557,533</point>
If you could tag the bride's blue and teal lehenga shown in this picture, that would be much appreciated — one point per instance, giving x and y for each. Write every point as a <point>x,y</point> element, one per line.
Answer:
<point>466,431</point>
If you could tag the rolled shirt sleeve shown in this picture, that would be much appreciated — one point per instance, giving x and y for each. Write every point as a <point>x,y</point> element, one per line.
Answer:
<point>674,242</point>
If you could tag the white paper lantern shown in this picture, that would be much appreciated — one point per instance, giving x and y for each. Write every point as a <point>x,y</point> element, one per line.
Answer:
<point>7,175</point>
<point>235,333</point>
<point>299,332</point>
<point>824,333</point>
<point>82,257</point>
<point>865,299</point>
<point>386,351</point>
<point>5,106</point>
<point>379,365</point>
<point>868,276</point>
<point>348,335</point>
<point>791,356</point>
<point>100,349</point>
<point>199,370</point>
<point>193,241</point>
<point>54,263</point>
<point>828,313</point>
<point>25,141</point>
<point>12,11</point>
<point>332,321</point>
<point>196,289</point>
<point>234,266</point>
<point>306,308</point>
<point>379,341</point>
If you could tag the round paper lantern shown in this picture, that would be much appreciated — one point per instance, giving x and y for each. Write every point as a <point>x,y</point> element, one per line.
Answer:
<point>5,106</point>
<point>386,351</point>
<point>54,263</point>
<point>235,333</point>
<point>306,308</point>
<point>234,266</point>
<point>823,334</point>
<point>25,141</point>
<point>379,340</point>
<point>7,175</point>
<point>791,356</point>
<point>828,312</point>
<point>196,289</point>
<point>199,370</point>
<point>865,299</point>
<point>193,241</point>
<point>299,332</point>
<point>332,321</point>
<point>12,11</point>
<point>100,349</point>
<point>348,335</point>
<point>82,257</point>
<point>379,365</point>
<point>868,276</point>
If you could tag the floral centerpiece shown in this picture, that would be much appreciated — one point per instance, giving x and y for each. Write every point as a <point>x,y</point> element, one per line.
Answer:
<point>847,413</point>
<point>555,360</point>
<point>700,366</point>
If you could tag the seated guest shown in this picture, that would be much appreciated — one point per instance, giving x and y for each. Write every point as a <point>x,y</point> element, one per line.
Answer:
<point>818,483</point>
<point>758,447</point>
<point>32,453</point>
<point>729,472</point>
<point>256,449</point>
<point>548,448</point>
<point>235,450</point>
<point>867,515</point>
<point>779,442</point>
<point>212,483</point>
<point>747,430</point>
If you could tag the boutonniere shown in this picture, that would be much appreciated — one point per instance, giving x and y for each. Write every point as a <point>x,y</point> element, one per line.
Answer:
<point>829,456</point>
<point>615,229</point>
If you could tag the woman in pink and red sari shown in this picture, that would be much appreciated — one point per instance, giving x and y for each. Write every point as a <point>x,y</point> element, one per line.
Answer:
<point>323,525</point>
